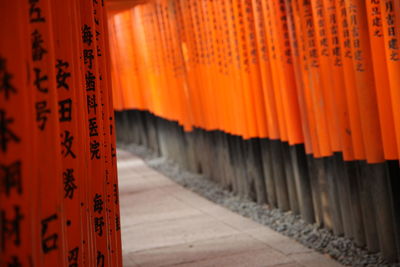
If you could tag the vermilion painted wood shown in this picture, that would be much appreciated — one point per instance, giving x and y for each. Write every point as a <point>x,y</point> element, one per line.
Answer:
<point>16,152</point>
<point>69,82</point>
<point>311,99</point>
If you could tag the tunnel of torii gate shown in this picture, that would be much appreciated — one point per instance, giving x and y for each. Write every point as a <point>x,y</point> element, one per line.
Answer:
<point>293,105</point>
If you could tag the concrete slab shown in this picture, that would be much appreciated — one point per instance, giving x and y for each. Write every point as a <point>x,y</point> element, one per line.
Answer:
<point>279,242</point>
<point>200,251</point>
<point>164,224</point>
<point>128,262</point>
<point>174,232</point>
<point>260,257</point>
<point>155,210</point>
<point>314,259</point>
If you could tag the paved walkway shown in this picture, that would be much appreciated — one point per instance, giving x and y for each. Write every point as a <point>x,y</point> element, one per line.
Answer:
<point>164,224</point>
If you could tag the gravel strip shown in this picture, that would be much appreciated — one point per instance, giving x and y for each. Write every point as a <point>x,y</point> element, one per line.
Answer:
<point>310,235</point>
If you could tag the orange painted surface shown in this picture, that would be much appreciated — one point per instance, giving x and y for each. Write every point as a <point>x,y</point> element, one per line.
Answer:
<point>349,80</point>
<point>365,81</point>
<point>321,72</point>
<point>275,71</point>
<point>382,85</point>
<point>55,78</point>
<point>16,154</point>
<point>287,70</point>
<point>338,80</point>
<point>391,9</point>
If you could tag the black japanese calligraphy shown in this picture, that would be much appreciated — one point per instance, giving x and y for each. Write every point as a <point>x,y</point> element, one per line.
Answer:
<point>42,113</point>
<point>98,225</point>
<point>49,241</point>
<point>88,57</point>
<point>117,223</point>
<point>376,19</point>
<point>39,80</point>
<point>93,127</point>
<point>90,81</point>
<point>113,151</point>
<point>38,51</point>
<point>98,204</point>
<point>62,74</point>
<point>87,35</point>
<point>10,229</point>
<point>98,51</point>
<point>15,262</point>
<point>97,35</point>
<point>11,177</point>
<point>91,103</point>
<point>116,194</point>
<point>65,110</point>
<point>111,125</point>
<point>73,257</point>
<point>94,150</point>
<point>392,41</point>
<point>69,183</point>
<point>6,134</point>
<point>100,259</point>
<point>6,87</point>
<point>35,12</point>
<point>67,142</point>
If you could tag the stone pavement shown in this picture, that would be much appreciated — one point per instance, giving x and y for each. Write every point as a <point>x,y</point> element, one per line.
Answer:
<point>164,224</point>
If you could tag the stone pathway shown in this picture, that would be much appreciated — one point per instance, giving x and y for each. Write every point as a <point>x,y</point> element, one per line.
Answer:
<point>164,224</point>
